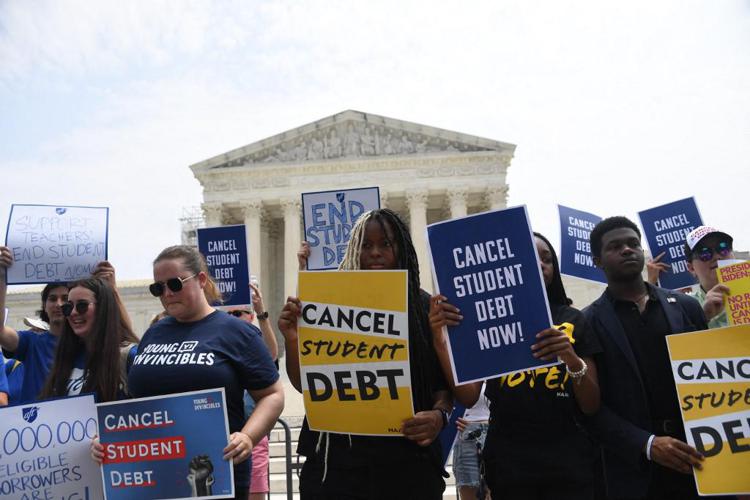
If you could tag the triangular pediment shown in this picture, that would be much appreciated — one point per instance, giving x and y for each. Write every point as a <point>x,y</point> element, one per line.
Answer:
<point>352,134</point>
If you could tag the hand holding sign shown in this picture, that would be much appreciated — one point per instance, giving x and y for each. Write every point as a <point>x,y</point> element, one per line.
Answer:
<point>675,454</point>
<point>423,427</point>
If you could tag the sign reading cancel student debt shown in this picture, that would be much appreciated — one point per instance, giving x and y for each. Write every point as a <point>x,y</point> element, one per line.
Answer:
<point>225,251</point>
<point>328,219</point>
<point>166,447</point>
<point>575,246</point>
<point>45,450</point>
<point>53,243</point>
<point>354,351</point>
<point>665,228</point>
<point>487,266</point>
<point>712,372</point>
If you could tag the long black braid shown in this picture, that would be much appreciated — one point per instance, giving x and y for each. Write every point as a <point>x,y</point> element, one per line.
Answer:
<point>421,363</point>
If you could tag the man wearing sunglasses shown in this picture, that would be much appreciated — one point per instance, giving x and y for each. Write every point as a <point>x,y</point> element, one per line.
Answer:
<point>704,247</point>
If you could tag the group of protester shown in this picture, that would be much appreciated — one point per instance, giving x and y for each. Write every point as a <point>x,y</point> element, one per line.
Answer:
<point>603,423</point>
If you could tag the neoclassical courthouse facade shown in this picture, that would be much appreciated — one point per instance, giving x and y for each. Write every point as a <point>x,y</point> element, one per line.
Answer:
<point>424,173</point>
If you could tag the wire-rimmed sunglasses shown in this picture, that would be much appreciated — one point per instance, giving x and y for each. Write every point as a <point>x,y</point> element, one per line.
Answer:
<point>723,249</point>
<point>81,306</point>
<point>174,284</point>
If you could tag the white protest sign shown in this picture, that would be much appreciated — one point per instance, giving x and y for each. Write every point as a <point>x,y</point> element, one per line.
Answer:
<point>54,243</point>
<point>44,450</point>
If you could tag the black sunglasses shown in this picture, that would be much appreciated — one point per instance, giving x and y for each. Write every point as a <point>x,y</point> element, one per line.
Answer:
<point>80,306</point>
<point>723,249</point>
<point>237,313</point>
<point>174,284</point>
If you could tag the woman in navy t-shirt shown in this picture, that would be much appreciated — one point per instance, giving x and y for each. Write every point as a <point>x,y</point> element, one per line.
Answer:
<point>198,347</point>
<point>94,347</point>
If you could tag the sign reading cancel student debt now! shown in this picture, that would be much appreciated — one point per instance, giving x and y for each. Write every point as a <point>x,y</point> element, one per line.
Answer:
<point>354,351</point>
<point>45,451</point>
<point>487,266</point>
<point>166,447</point>
<point>712,372</point>
<point>665,229</point>
<point>53,243</point>
<point>225,251</point>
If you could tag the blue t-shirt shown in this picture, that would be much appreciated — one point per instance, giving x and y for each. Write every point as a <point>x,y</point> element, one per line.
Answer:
<point>217,351</point>
<point>77,376</point>
<point>4,383</point>
<point>37,352</point>
<point>14,370</point>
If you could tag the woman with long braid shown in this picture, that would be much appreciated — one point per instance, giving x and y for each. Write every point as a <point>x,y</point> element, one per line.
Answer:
<point>371,467</point>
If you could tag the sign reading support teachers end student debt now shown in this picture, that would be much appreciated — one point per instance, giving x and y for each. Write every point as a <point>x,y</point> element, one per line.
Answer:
<point>45,451</point>
<point>665,228</point>
<point>166,447</point>
<point>487,266</point>
<point>354,351</point>
<point>225,251</point>
<point>575,245</point>
<point>328,219</point>
<point>54,243</point>
<point>712,372</point>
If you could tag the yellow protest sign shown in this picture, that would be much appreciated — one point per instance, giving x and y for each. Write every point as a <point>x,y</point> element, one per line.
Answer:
<point>354,351</point>
<point>737,304</point>
<point>712,372</point>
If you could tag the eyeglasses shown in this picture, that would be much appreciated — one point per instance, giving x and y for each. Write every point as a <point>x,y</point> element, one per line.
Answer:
<point>237,313</point>
<point>705,254</point>
<point>174,284</point>
<point>80,306</point>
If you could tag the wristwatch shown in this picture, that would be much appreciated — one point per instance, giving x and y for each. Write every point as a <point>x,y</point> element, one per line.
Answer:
<point>446,417</point>
<point>263,315</point>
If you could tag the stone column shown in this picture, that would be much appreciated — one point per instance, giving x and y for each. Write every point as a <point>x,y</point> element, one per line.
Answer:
<point>212,214</point>
<point>417,203</point>
<point>457,198</point>
<point>496,196</point>
<point>292,239</point>
<point>253,213</point>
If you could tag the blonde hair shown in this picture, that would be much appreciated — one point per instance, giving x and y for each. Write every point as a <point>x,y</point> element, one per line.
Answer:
<point>194,261</point>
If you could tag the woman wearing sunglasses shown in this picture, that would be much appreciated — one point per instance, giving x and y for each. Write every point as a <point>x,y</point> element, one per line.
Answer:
<point>215,349</point>
<point>95,347</point>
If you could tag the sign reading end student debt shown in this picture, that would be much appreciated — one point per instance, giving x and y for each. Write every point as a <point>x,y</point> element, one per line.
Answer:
<point>354,351</point>
<point>712,373</point>
<point>53,243</point>
<point>225,250</point>
<point>665,229</point>
<point>575,246</point>
<point>45,450</point>
<point>328,219</point>
<point>487,266</point>
<point>166,447</point>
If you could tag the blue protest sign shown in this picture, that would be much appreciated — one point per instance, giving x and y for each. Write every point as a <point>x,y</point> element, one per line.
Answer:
<point>665,228</point>
<point>45,450</point>
<point>225,249</point>
<point>328,220</point>
<point>575,247</point>
<point>448,435</point>
<point>55,243</point>
<point>486,265</point>
<point>166,447</point>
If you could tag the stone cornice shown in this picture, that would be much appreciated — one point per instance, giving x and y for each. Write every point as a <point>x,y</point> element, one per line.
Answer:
<point>349,135</point>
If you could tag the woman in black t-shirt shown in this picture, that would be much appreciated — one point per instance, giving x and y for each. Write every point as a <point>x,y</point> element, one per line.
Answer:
<point>534,448</point>
<point>371,467</point>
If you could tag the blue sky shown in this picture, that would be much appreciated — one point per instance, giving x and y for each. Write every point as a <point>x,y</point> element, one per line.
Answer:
<point>615,106</point>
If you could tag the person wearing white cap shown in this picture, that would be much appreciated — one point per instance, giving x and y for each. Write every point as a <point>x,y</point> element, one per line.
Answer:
<point>704,247</point>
